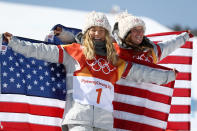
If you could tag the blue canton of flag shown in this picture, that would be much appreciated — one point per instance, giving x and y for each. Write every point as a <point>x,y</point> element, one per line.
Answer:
<point>32,92</point>
<point>32,77</point>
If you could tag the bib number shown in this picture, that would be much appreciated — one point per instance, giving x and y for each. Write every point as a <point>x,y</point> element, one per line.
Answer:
<point>99,95</point>
<point>93,91</point>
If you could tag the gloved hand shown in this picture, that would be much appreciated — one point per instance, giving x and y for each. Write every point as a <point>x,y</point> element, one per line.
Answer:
<point>7,37</point>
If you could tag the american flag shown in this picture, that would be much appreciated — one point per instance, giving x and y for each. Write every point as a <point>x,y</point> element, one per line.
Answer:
<point>33,99</point>
<point>32,92</point>
<point>144,107</point>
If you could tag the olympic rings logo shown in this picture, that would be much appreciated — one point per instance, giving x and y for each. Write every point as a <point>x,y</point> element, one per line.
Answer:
<point>143,57</point>
<point>102,64</point>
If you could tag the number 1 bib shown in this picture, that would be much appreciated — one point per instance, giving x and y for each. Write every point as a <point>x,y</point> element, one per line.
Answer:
<point>93,91</point>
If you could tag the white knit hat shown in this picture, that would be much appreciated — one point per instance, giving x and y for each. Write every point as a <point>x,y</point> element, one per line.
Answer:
<point>96,19</point>
<point>127,23</point>
<point>118,18</point>
<point>121,16</point>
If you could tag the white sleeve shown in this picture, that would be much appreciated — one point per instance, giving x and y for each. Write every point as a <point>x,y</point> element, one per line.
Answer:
<point>171,45</point>
<point>40,51</point>
<point>142,73</point>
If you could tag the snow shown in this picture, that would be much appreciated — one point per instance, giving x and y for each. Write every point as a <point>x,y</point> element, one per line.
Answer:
<point>35,22</point>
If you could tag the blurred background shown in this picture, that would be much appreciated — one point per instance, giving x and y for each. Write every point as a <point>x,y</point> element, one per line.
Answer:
<point>176,14</point>
<point>35,18</point>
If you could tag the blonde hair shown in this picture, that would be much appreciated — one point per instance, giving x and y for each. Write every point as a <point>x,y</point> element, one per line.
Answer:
<point>88,48</point>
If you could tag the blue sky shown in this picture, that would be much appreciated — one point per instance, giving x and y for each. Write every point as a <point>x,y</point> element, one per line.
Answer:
<point>166,12</point>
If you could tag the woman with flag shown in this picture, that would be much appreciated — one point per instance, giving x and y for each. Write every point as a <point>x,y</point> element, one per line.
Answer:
<point>133,45</point>
<point>92,70</point>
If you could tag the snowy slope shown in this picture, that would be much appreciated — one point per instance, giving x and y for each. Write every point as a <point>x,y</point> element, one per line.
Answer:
<point>35,22</point>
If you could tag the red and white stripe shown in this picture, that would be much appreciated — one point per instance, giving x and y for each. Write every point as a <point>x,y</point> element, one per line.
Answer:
<point>28,113</point>
<point>181,59</point>
<point>141,106</point>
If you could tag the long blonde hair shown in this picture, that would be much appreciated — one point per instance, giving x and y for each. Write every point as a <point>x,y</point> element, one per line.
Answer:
<point>89,52</point>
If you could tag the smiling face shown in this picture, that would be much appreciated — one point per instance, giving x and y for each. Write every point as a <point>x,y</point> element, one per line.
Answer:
<point>97,33</point>
<point>136,35</point>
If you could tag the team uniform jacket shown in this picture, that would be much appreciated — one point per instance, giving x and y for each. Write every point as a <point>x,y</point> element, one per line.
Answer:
<point>90,83</point>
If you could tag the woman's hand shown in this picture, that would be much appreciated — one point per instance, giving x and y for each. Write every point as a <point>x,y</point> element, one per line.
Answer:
<point>190,34</point>
<point>7,37</point>
<point>175,71</point>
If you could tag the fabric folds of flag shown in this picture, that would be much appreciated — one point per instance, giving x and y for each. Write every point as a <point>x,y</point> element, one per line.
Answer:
<point>142,106</point>
<point>32,92</point>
